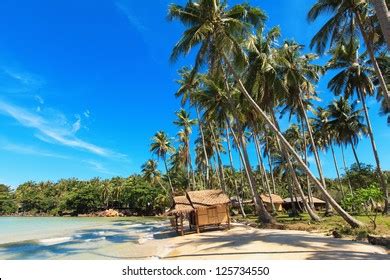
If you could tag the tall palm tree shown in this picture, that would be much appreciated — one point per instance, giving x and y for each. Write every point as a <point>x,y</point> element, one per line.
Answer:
<point>218,30</point>
<point>189,87</point>
<point>151,173</point>
<point>347,16</point>
<point>185,122</point>
<point>354,77</point>
<point>161,146</point>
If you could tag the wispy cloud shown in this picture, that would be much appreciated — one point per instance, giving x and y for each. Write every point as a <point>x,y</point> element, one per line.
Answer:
<point>28,150</point>
<point>133,20</point>
<point>57,130</point>
<point>99,167</point>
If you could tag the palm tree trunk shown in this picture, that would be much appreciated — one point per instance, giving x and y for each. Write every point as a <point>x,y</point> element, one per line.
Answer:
<point>190,165</point>
<point>355,155</point>
<point>374,62</point>
<point>347,217</point>
<point>271,171</point>
<point>232,167</point>
<point>346,169</point>
<point>293,174</point>
<point>337,170</point>
<point>262,169</point>
<point>220,165</point>
<point>169,177</point>
<point>264,216</point>
<point>382,178</point>
<point>329,209</point>
<point>203,146</point>
<point>383,15</point>
<point>309,191</point>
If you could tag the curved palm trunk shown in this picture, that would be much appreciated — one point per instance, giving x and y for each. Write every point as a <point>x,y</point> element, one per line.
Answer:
<point>309,192</point>
<point>374,62</point>
<point>220,165</point>
<point>204,147</point>
<point>263,171</point>
<point>347,217</point>
<point>329,209</point>
<point>264,216</point>
<point>234,178</point>
<point>346,170</point>
<point>383,14</point>
<point>355,155</point>
<point>169,177</point>
<point>294,177</point>
<point>337,170</point>
<point>381,176</point>
<point>271,171</point>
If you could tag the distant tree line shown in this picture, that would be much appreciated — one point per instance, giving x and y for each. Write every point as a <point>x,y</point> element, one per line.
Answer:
<point>72,196</point>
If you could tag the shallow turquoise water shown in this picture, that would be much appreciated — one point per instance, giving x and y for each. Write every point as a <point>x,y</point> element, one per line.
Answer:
<point>75,238</point>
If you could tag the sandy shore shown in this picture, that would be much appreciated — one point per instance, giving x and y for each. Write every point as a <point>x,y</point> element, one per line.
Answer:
<point>243,242</point>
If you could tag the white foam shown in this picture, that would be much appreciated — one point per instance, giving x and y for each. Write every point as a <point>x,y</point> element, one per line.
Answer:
<point>54,241</point>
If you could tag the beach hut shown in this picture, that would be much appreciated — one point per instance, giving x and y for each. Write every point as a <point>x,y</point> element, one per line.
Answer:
<point>202,208</point>
<point>318,203</point>
<point>276,200</point>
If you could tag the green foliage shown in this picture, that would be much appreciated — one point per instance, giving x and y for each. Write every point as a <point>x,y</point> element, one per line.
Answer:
<point>7,200</point>
<point>134,193</point>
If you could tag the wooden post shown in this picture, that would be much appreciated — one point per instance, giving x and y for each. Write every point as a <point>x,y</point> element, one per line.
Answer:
<point>228,214</point>
<point>197,221</point>
<point>182,226</point>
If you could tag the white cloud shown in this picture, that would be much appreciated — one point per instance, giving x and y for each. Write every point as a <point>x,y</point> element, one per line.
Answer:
<point>133,20</point>
<point>55,129</point>
<point>24,78</point>
<point>99,167</point>
<point>87,114</point>
<point>77,124</point>
<point>39,99</point>
<point>28,150</point>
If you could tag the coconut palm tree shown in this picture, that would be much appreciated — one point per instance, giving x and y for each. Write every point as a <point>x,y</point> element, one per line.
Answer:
<point>189,86</point>
<point>151,173</point>
<point>185,122</point>
<point>217,30</point>
<point>347,16</point>
<point>354,78</point>
<point>161,146</point>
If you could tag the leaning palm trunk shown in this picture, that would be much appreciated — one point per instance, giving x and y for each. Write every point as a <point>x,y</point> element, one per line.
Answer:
<point>169,177</point>
<point>383,15</point>
<point>220,165</point>
<point>271,171</point>
<point>191,169</point>
<point>294,176</point>
<point>264,216</point>
<point>375,151</point>
<point>309,192</point>
<point>337,170</point>
<point>204,147</point>
<point>374,62</point>
<point>346,170</point>
<point>347,217</point>
<point>329,209</point>
<point>355,155</point>
<point>234,178</point>
<point>263,171</point>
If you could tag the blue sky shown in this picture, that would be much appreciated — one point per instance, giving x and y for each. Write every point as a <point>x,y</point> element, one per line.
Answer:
<point>85,84</point>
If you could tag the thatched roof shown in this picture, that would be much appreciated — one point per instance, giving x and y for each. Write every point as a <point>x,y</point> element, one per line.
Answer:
<point>207,198</point>
<point>181,205</point>
<point>299,199</point>
<point>197,199</point>
<point>275,198</point>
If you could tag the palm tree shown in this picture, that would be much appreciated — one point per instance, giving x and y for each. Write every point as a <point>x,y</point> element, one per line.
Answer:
<point>354,77</point>
<point>185,122</point>
<point>218,30</point>
<point>161,146</point>
<point>189,87</point>
<point>342,25</point>
<point>151,173</point>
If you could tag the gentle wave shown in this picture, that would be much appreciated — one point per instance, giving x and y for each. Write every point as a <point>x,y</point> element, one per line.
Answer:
<point>55,241</point>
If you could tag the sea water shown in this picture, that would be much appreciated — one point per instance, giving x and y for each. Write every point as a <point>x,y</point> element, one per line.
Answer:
<point>78,238</point>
